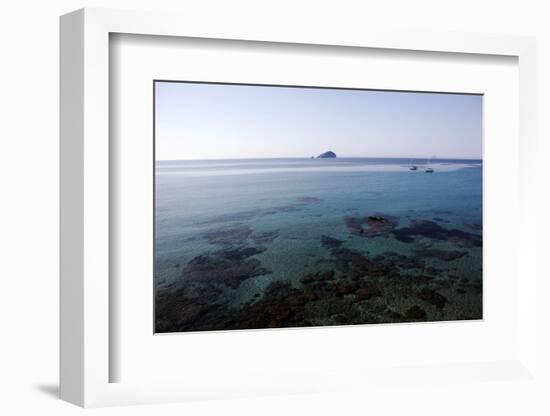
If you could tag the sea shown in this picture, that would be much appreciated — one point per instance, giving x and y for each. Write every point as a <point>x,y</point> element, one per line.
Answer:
<point>253,222</point>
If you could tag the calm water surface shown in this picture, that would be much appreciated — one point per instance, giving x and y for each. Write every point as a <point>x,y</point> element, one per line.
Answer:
<point>287,207</point>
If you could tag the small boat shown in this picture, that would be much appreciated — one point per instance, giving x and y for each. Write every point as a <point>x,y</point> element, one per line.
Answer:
<point>428,169</point>
<point>412,167</point>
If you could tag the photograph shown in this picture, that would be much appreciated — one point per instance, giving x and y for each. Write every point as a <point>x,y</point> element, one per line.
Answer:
<point>244,208</point>
<point>280,206</point>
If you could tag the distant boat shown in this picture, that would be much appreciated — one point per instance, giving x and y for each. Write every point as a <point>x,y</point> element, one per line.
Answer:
<point>412,167</point>
<point>428,169</point>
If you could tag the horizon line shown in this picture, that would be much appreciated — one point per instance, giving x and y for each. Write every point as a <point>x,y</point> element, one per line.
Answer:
<point>315,157</point>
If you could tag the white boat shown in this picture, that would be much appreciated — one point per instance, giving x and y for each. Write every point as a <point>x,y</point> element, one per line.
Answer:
<point>412,167</point>
<point>428,169</point>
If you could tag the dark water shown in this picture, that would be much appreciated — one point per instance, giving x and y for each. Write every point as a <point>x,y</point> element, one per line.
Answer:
<point>301,242</point>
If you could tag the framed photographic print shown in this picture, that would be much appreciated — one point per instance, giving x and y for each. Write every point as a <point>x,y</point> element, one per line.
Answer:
<point>260,211</point>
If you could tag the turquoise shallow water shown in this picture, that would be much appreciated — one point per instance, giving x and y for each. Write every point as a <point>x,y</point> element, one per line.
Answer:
<point>286,206</point>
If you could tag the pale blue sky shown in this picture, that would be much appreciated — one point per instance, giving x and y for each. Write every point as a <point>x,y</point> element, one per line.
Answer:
<point>215,121</point>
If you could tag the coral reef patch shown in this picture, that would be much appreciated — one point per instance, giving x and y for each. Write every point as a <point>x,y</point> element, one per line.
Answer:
<point>329,242</point>
<point>432,230</point>
<point>230,287</point>
<point>228,266</point>
<point>229,236</point>
<point>372,225</point>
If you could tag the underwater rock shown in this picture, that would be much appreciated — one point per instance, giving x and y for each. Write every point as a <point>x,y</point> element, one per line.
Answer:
<point>328,306</point>
<point>229,236</point>
<point>190,312</point>
<point>355,274</point>
<point>357,264</point>
<point>409,262</point>
<point>432,297</point>
<point>317,277</point>
<point>445,255</point>
<point>329,242</point>
<point>431,270</point>
<point>265,237</point>
<point>301,297</point>
<point>394,316</point>
<point>419,279</point>
<point>268,312</point>
<point>415,312</point>
<point>368,292</point>
<point>376,219</point>
<point>476,286</point>
<point>423,243</point>
<point>278,289</point>
<point>347,259</point>
<point>430,229</point>
<point>474,226</point>
<point>323,300</point>
<point>347,287</point>
<point>379,269</point>
<point>174,312</point>
<point>229,266</point>
<point>377,225</point>
<point>274,315</point>
<point>241,253</point>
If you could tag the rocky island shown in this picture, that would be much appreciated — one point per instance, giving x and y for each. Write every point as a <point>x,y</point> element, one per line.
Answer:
<point>326,155</point>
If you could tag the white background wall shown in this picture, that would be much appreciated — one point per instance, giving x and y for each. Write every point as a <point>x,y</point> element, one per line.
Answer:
<point>29,204</point>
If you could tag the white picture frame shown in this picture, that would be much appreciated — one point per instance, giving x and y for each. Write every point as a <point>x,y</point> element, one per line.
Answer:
<point>85,220</point>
